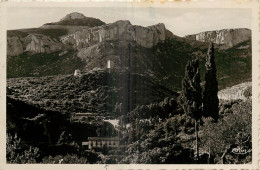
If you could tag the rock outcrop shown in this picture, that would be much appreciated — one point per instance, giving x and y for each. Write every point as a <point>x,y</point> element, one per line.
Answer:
<point>34,43</point>
<point>14,46</point>
<point>85,36</point>
<point>226,37</point>
<point>235,92</point>
<point>121,31</point>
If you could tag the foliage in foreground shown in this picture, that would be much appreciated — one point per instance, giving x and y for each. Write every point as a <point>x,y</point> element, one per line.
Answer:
<point>171,140</point>
<point>166,141</point>
<point>16,152</point>
<point>159,146</point>
<point>232,131</point>
<point>67,159</point>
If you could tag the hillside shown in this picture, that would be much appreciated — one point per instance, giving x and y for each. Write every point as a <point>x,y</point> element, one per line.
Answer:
<point>20,113</point>
<point>96,92</point>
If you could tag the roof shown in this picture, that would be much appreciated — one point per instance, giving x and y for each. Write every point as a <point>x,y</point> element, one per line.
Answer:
<point>104,138</point>
<point>94,114</point>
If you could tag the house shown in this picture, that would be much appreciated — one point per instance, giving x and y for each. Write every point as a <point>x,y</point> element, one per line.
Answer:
<point>100,142</point>
<point>77,73</point>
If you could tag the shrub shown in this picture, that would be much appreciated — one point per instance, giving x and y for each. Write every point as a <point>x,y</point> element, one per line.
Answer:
<point>18,153</point>
<point>67,159</point>
<point>232,131</point>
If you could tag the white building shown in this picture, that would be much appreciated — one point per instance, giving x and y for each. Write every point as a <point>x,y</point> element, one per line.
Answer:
<point>77,73</point>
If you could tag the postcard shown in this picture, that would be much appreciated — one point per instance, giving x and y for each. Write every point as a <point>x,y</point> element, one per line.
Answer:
<point>120,85</point>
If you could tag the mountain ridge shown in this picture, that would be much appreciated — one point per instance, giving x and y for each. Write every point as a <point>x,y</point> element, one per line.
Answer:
<point>225,37</point>
<point>83,36</point>
<point>153,51</point>
<point>78,19</point>
<point>73,15</point>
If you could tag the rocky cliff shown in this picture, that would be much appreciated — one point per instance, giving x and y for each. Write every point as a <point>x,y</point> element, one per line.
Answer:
<point>83,36</point>
<point>226,37</point>
<point>120,30</point>
<point>34,43</point>
<point>235,92</point>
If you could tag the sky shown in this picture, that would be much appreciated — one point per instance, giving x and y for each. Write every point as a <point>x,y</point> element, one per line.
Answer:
<point>179,21</point>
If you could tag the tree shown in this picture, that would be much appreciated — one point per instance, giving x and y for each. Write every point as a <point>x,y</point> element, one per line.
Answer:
<point>191,98</point>
<point>160,146</point>
<point>19,153</point>
<point>210,95</point>
<point>231,131</point>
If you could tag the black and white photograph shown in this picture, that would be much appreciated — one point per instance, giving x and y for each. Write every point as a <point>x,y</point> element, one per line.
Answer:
<point>128,85</point>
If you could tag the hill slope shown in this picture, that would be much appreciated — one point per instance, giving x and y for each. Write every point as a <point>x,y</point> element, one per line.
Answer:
<point>96,92</point>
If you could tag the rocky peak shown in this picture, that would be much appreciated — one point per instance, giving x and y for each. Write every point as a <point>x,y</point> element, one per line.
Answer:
<point>74,15</point>
<point>122,22</point>
<point>226,37</point>
<point>75,19</point>
<point>159,25</point>
<point>121,30</point>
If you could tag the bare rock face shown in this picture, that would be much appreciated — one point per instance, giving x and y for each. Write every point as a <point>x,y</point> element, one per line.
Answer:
<point>235,92</point>
<point>120,30</point>
<point>34,43</point>
<point>227,37</point>
<point>14,46</point>
<point>83,37</point>
<point>42,44</point>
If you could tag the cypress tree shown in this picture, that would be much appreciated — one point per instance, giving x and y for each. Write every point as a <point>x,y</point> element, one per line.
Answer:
<point>191,97</point>
<point>210,95</point>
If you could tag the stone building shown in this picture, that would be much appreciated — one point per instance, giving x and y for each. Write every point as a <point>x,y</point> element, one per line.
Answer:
<point>100,142</point>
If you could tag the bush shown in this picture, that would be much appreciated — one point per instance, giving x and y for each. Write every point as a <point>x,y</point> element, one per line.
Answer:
<point>160,146</point>
<point>18,153</point>
<point>232,131</point>
<point>67,159</point>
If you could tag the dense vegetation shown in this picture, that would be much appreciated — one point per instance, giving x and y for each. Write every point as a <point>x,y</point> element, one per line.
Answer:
<point>38,135</point>
<point>98,91</point>
<point>233,64</point>
<point>159,132</point>
<point>27,65</point>
<point>171,140</point>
